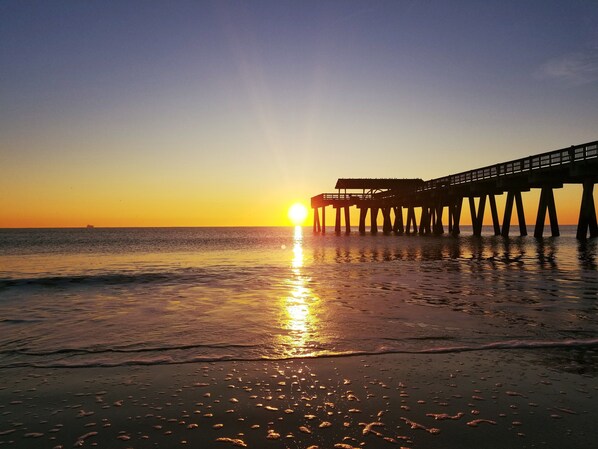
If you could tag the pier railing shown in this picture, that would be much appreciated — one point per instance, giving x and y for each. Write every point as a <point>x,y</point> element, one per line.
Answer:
<point>343,197</point>
<point>542,161</point>
<point>377,195</point>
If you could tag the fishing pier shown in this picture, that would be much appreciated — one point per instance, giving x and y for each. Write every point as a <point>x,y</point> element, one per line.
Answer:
<point>577,164</point>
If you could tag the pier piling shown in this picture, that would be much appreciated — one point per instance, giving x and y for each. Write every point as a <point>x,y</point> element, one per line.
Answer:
<point>347,220</point>
<point>455,215</point>
<point>587,213</point>
<point>398,227</point>
<point>317,226</point>
<point>494,212</point>
<point>337,221</point>
<point>546,204</point>
<point>362,216</point>
<point>411,223</point>
<point>374,220</point>
<point>387,226</point>
<point>514,197</point>
<point>438,228</point>
<point>477,217</point>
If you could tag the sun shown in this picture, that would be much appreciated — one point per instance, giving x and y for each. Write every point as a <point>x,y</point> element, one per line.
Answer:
<point>297,214</point>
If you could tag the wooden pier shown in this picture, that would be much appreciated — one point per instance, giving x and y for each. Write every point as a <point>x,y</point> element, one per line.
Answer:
<point>577,164</point>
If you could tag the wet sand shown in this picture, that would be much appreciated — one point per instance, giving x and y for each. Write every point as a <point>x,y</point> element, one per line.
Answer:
<point>483,399</point>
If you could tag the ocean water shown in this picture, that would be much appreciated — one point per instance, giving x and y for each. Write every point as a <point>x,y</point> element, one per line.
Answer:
<point>111,297</point>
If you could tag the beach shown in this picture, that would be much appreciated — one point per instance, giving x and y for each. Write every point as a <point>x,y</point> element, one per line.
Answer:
<point>489,399</point>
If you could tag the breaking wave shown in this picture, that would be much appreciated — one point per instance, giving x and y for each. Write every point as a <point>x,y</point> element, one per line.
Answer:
<point>196,275</point>
<point>167,355</point>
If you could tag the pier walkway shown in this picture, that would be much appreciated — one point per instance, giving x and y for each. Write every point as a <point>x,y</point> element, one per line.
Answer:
<point>577,164</point>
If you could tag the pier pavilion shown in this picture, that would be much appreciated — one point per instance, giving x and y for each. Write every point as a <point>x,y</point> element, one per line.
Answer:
<point>577,164</point>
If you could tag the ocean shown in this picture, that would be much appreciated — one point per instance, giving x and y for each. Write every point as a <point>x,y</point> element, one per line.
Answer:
<point>152,296</point>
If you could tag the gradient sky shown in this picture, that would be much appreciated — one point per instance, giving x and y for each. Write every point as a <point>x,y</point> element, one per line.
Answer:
<point>191,113</point>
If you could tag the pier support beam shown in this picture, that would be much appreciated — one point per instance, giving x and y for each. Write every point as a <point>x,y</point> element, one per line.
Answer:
<point>374,220</point>
<point>347,220</point>
<point>323,219</point>
<point>387,226</point>
<point>520,214</point>
<point>317,225</point>
<point>506,224</point>
<point>494,211</point>
<point>424,223</point>
<point>587,213</point>
<point>438,228</point>
<point>363,211</point>
<point>455,215</point>
<point>411,223</point>
<point>546,203</point>
<point>398,227</point>
<point>423,219</point>
<point>477,218</point>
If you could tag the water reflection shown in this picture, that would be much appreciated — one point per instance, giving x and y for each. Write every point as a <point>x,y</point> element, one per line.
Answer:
<point>299,318</point>
<point>498,252</point>
<point>530,284</point>
<point>588,250</point>
<point>546,253</point>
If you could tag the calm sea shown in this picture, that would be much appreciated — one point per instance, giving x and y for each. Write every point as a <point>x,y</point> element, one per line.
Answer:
<point>104,297</point>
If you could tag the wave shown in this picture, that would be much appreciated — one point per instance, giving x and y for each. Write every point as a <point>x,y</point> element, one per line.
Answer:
<point>123,349</point>
<point>196,275</point>
<point>18,321</point>
<point>571,344</point>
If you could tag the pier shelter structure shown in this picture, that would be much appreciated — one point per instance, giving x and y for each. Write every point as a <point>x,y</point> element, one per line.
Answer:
<point>367,194</point>
<point>577,164</point>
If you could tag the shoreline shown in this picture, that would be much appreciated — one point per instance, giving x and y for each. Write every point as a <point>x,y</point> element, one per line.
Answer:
<point>501,345</point>
<point>507,398</point>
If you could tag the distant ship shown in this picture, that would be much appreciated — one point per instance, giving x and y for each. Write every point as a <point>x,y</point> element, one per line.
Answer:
<point>90,226</point>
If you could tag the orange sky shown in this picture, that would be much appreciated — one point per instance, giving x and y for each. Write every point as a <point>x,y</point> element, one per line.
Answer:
<point>136,208</point>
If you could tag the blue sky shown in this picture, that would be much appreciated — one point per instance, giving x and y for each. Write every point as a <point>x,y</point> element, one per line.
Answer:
<point>157,103</point>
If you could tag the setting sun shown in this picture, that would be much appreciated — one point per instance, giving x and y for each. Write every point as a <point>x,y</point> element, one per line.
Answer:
<point>297,214</point>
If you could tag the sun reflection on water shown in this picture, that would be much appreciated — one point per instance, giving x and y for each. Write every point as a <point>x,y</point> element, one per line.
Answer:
<point>299,319</point>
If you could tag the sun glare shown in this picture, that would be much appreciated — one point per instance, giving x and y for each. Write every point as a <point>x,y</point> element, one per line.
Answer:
<point>297,214</point>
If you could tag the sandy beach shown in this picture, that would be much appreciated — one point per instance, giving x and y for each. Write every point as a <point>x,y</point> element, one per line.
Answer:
<point>484,399</point>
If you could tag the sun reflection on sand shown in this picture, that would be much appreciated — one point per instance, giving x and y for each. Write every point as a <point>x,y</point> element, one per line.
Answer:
<point>298,315</point>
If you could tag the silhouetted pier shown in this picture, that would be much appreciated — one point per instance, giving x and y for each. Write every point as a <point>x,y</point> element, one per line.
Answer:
<point>577,164</point>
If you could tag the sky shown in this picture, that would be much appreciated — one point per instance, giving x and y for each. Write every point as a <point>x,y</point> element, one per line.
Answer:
<point>224,113</point>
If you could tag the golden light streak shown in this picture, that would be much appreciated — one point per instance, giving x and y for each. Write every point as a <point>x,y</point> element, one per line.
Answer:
<point>298,305</point>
